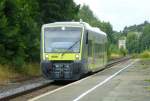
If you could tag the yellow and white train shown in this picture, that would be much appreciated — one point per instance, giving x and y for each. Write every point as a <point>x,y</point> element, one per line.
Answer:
<point>71,49</point>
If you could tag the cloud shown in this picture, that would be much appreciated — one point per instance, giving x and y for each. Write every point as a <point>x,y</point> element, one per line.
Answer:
<point>119,13</point>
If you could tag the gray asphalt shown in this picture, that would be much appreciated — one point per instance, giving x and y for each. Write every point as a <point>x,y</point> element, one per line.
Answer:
<point>128,85</point>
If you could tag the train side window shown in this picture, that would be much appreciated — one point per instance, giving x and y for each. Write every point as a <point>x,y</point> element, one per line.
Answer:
<point>86,38</point>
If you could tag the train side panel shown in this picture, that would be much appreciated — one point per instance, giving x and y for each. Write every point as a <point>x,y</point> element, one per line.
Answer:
<point>95,50</point>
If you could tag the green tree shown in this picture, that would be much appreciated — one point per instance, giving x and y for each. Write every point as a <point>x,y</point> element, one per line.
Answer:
<point>87,15</point>
<point>3,30</point>
<point>106,27</point>
<point>19,30</point>
<point>145,39</point>
<point>20,26</point>
<point>57,10</point>
<point>132,42</point>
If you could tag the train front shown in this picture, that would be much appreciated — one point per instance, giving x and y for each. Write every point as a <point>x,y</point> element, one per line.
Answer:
<point>61,52</point>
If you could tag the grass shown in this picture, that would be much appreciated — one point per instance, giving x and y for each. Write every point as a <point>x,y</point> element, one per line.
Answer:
<point>145,55</point>
<point>145,62</point>
<point>32,69</point>
<point>114,56</point>
<point>6,74</point>
<point>147,81</point>
<point>148,88</point>
<point>135,55</point>
<point>114,52</point>
<point>9,73</point>
<point>145,59</point>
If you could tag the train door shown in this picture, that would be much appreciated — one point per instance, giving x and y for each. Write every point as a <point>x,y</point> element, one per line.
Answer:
<point>91,61</point>
<point>85,51</point>
<point>88,50</point>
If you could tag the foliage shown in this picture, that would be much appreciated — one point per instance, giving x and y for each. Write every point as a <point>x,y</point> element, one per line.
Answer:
<point>7,73</point>
<point>138,37</point>
<point>30,69</point>
<point>115,52</point>
<point>132,42</point>
<point>145,54</point>
<point>87,15</point>
<point>145,39</point>
<point>123,52</point>
<point>114,48</point>
<point>114,56</point>
<point>135,55</point>
<point>57,10</point>
<point>115,37</point>
<point>135,28</point>
<point>20,25</point>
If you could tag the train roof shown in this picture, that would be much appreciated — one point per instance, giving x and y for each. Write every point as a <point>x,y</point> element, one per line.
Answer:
<point>94,29</point>
<point>86,25</point>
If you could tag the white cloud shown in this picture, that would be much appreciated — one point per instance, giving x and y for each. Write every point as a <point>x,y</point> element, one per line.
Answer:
<point>119,13</point>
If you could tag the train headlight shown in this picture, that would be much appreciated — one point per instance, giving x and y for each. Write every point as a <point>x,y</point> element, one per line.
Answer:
<point>77,56</point>
<point>46,57</point>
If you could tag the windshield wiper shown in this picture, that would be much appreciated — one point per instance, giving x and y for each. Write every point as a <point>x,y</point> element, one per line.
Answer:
<point>70,47</point>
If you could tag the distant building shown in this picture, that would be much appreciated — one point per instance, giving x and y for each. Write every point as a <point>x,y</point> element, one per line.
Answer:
<point>122,43</point>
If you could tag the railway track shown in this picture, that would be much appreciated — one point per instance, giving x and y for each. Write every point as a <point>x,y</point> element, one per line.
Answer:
<point>41,86</point>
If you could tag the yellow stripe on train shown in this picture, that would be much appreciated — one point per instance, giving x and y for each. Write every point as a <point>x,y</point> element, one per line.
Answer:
<point>61,56</point>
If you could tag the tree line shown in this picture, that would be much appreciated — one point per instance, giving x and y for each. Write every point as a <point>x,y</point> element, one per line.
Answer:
<point>21,20</point>
<point>138,37</point>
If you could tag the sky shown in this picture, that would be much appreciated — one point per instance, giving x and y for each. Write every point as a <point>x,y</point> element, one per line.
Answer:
<point>119,13</point>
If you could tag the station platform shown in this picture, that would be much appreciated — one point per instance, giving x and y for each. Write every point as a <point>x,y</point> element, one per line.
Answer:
<point>121,82</point>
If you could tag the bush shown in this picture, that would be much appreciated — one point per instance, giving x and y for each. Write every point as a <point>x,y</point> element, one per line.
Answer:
<point>123,52</point>
<point>31,69</point>
<point>9,72</point>
<point>115,52</point>
<point>135,55</point>
<point>113,48</point>
<point>145,54</point>
<point>114,56</point>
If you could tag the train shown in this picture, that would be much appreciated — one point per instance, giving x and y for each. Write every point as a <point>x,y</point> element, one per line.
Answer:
<point>70,50</point>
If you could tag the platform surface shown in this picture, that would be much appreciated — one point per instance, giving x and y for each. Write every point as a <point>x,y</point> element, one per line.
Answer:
<point>122,82</point>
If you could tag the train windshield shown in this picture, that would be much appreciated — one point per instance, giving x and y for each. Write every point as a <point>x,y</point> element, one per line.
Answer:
<point>62,39</point>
